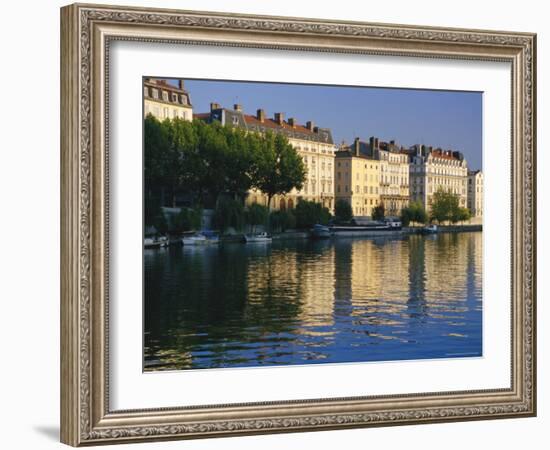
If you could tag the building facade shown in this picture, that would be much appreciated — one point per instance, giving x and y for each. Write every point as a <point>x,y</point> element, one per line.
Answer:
<point>431,170</point>
<point>394,175</point>
<point>313,144</point>
<point>475,193</point>
<point>165,101</point>
<point>357,178</point>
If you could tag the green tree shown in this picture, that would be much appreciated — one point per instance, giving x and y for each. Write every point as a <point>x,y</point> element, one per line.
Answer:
<point>278,167</point>
<point>257,215</point>
<point>229,213</point>
<point>310,213</point>
<point>406,216</point>
<point>415,212</point>
<point>445,206</point>
<point>461,215</point>
<point>343,211</point>
<point>187,219</point>
<point>378,212</point>
<point>282,220</point>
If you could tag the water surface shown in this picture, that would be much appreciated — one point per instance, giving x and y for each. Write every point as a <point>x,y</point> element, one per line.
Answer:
<point>301,302</point>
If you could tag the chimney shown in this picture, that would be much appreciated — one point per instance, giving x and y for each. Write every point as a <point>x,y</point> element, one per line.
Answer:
<point>214,106</point>
<point>309,125</point>
<point>260,115</point>
<point>237,107</point>
<point>373,141</point>
<point>279,118</point>
<point>292,122</point>
<point>356,147</point>
<point>181,84</point>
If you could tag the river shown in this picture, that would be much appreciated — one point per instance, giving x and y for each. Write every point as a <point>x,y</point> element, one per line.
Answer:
<point>302,302</point>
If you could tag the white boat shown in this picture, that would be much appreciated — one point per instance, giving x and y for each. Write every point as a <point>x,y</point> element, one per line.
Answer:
<point>200,239</point>
<point>156,242</point>
<point>258,237</point>
<point>319,232</point>
<point>429,229</point>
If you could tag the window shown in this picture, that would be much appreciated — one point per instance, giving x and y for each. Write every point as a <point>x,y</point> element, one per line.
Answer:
<point>145,91</point>
<point>155,93</point>
<point>165,96</point>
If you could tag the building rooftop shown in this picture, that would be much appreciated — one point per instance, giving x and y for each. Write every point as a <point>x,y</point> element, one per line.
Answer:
<point>261,123</point>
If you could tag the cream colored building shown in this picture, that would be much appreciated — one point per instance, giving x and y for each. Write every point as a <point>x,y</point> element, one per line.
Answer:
<point>357,178</point>
<point>313,144</point>
<point>431,170</point>
<point>165,101</point>
<point>394,175</point>
<point>475,193</point>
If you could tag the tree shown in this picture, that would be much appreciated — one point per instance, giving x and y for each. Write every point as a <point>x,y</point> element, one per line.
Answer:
<point>378,212</point>
<point>278,167</point>
<point>229,213</point>
<point>445,206</point>
<point>406,216</point>
<point>461,215</point>
<point>310,213</point>
<point>282,220</point>
<point>257,215</point>
<point>343,211</point>
<point>415,212</point>
<point>187,219</point>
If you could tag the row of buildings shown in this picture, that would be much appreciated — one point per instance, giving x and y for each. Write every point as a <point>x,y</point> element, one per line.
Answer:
<point>365,173</point>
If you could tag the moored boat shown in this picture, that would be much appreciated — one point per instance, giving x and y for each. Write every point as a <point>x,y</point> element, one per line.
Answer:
<point>257,238</point>
<point>319,232</point>
<point>430,229</point>
<point>155,241</point>
<point>203,238</point>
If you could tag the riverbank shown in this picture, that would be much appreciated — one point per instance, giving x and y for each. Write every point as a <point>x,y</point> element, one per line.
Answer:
<point>301,235</point>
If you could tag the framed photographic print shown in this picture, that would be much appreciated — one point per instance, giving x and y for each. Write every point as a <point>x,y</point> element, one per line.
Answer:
<point>280,224</point>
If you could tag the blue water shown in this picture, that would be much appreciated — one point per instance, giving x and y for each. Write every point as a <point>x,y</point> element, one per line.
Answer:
<point>302,302</point>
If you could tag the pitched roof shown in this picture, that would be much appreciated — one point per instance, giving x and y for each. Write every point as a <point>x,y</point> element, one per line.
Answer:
<point>238,118</point>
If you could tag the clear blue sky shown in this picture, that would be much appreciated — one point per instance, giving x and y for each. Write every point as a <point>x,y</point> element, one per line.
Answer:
<point>447,119</point>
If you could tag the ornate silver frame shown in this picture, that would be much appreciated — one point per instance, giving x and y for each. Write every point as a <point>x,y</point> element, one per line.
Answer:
<point>86,32</point>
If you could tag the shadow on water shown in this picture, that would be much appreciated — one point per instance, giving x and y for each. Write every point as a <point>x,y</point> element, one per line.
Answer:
<point>304,301</point>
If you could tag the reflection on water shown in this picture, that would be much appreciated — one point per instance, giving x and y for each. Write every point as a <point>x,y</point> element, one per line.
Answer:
<point>302,302</point>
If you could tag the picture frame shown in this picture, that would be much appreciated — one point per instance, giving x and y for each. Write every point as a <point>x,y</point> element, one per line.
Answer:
<point>87,32</point>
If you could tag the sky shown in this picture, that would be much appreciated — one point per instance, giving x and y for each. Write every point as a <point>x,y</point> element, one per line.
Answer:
<point>446,119</point>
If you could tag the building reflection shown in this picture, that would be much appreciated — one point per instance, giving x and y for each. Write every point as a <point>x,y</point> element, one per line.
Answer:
<point>290,302</point>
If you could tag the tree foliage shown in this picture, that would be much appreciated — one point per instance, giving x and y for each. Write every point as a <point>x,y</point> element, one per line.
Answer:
<point>378,212</point>
<point>343,211</point>
<point>415,212</point>
<point>256,215</point>
<point>205,160</point>
<point>282,220</point>
<point>186,220</point>
<point>229,213</point>
<point>446,208</point>
<point>310,213</point>
<point>279,168</point>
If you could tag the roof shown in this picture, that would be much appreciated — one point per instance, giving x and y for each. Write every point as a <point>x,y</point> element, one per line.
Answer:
<point>446,154</point>
<point>238,118</point>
